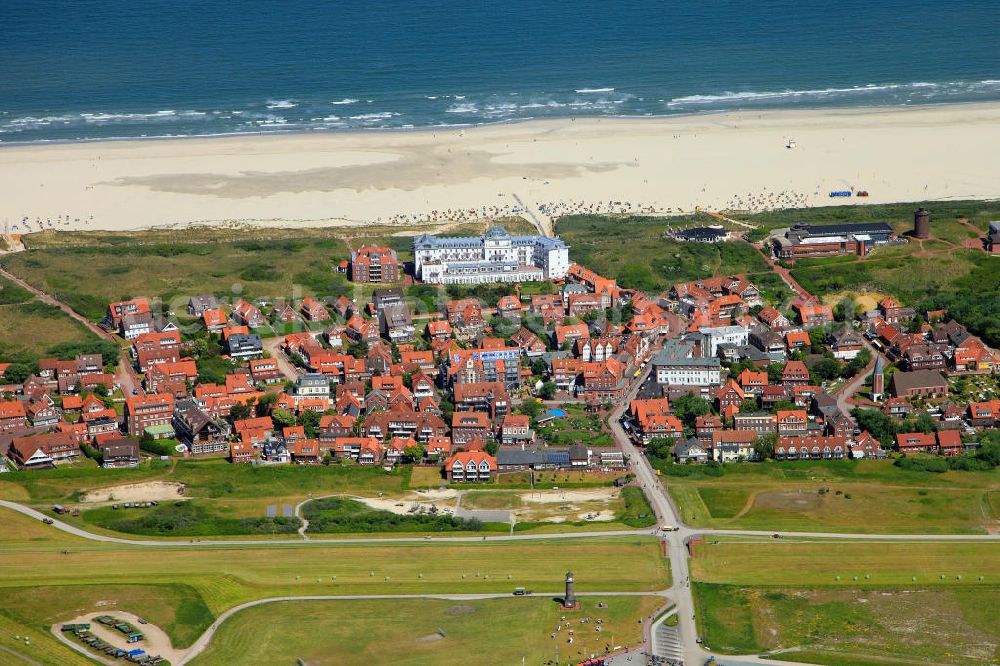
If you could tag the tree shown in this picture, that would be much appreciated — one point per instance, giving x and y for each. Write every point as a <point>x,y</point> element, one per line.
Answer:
<point>826,370</point>
<point>844,310</point>
<point>358,349</point>
<point>857,364</point>
<point>17,373</point>
<point>763,445</point>
<point>689,407</point>
<point>266,403</point>
<point>530,408</point>
<point>925,423</point>
<point>539,367</point>
<point>239,411</point>
<point>548,391</point>
<point>309,420</point>
<point>748,405</point>
<point>283,417</point>
<point>774,371</point>
<point>414,454</point>
<point>492,447</point>
<point>882,426</point>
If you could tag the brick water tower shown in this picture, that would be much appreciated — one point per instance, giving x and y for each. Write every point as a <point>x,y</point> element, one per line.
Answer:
<point>922,223</point>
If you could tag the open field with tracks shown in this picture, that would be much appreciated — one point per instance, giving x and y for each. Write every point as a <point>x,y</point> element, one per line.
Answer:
<point>850,602</point>
<point>839,496</point>
<point>424,632</point>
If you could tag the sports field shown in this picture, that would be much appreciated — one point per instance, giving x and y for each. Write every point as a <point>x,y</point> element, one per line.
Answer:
<point>496,631</point>
<point>839,496</point>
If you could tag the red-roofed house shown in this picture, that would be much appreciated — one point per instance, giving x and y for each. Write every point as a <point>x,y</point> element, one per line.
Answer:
<point>12,416</point>
<point>795,373</point>
<point>813,314</point>
<point>470,467</point>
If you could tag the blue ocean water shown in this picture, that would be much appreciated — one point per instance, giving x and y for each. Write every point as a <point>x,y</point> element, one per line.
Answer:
<point>91,69</point>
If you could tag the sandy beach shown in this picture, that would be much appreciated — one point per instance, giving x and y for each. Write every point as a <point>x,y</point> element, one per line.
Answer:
<point>671,164</point>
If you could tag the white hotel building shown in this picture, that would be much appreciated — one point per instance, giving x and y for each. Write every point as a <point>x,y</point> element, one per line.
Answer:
<point>494,257</point>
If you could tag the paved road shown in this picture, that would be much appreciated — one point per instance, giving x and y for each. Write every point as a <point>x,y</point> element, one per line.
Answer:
<point>666,514</point>
<point>846,393</point>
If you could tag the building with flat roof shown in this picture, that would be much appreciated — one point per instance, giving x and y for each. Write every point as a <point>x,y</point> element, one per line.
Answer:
<point>496,256</point>
<point>829,240</point>
<point>677,365</point>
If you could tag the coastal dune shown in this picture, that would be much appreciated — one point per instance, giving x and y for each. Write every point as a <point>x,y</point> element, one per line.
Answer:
<point>740,160</point>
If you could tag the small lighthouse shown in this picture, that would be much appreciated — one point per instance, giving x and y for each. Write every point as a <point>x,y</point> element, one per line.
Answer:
<point>569,600</point>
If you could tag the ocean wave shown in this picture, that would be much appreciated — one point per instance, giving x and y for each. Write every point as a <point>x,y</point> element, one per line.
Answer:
<point>462,108</point>
<point>127,117</point>
<point>281,104</point>
<point>925,89</point>
<point>368,117</point>
<point>346,100</point>
<point>590,91</point>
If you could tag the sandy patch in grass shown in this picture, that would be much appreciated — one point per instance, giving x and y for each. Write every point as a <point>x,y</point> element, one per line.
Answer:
<point>403,506</point>
<point>866,299</point>
<point>135,492</point>
<point>788,501</point>
<point>597,516</point>
<point>437,494</point>
<point>155,641</point>
<point>563,496</point>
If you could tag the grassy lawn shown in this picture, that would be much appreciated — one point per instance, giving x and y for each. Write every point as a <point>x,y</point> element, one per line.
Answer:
<point>554,479</point>
<point>844,603</point>
<point>808,563</point>
<point>853,626</point>
<point>838,496</point>
<point>357,631</point>
<point>427,477</point>
<point>487,500</point>
<point>577,427</point>
<point>225,575</point>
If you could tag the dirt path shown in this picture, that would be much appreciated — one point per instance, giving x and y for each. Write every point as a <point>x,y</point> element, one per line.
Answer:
<point>18,655</point>
<point>127,377</point>
<point>783,273</point>
<point>973,243</point>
